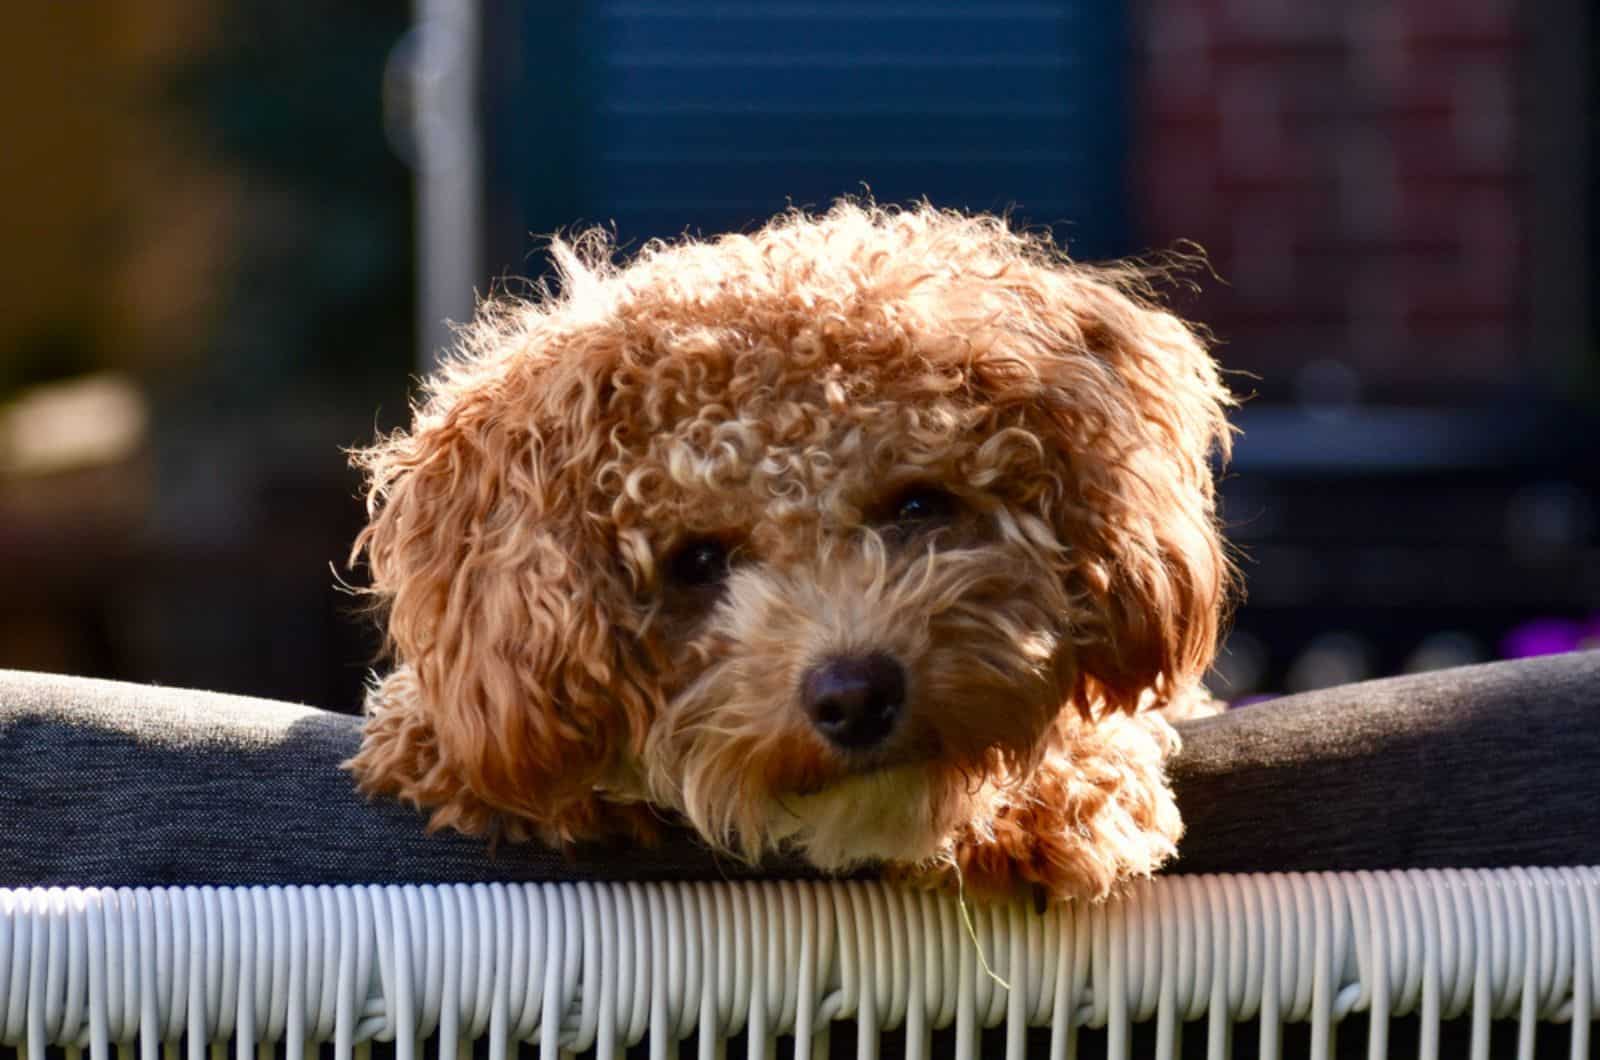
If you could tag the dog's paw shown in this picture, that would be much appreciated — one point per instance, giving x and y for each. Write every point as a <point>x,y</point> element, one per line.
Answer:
<point>1096,815</point>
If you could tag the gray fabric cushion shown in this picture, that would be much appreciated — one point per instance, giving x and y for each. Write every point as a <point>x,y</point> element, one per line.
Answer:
<point>113,784</point>
<point>118,784</point>
<point>1477,767</point>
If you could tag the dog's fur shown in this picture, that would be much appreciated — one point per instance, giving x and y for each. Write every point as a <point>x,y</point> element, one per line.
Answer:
<point>775,394</point>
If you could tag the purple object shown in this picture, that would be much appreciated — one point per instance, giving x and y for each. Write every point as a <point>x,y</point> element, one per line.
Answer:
<point>1550,636</point>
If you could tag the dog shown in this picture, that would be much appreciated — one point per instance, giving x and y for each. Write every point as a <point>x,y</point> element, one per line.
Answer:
<point>878,536</point>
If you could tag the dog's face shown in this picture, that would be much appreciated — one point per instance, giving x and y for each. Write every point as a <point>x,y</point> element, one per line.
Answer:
<point>857,607</point>
<point>811,537</point>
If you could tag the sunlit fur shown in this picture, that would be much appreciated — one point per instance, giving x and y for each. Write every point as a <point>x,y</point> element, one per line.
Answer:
<point>776,392</point>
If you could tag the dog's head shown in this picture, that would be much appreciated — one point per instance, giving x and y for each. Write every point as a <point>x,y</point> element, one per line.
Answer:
<point>807,535</point>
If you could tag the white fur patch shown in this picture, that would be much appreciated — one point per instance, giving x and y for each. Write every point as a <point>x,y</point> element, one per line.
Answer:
<point>890,815</point>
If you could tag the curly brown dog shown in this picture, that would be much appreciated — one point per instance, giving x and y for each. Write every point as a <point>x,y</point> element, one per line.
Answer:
<point>874,536</point>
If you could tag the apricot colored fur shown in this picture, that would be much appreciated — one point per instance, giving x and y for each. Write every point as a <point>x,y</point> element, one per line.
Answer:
<point>774,392</point>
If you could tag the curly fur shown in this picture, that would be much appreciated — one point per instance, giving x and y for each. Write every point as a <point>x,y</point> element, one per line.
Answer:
<point>774,392</point>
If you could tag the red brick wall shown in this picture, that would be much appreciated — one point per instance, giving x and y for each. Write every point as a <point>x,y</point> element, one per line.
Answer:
<point>1352,167</point>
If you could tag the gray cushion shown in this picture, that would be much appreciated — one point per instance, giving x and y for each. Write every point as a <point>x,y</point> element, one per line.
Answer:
<point>119,784</point>
<point>105,784</point>
<point>1477,767</point>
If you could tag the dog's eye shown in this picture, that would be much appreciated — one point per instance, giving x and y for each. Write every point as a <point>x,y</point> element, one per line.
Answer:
<point>924,504</point>
<point>699,563</point>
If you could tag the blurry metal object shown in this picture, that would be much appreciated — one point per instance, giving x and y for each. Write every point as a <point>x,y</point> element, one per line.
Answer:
<point>1440,651</point>
<point>430,91</point>
<point>1331,659</point>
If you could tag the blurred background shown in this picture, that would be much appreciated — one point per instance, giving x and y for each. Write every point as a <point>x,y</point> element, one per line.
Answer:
<point>235,231</point>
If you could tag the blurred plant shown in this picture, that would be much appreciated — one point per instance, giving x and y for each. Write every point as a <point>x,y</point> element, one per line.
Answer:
<point>289,98</point>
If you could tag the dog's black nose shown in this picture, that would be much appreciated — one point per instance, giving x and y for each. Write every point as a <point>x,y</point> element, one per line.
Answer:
<point>854,700</point>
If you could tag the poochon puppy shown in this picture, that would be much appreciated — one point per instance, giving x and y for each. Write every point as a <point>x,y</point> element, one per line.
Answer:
<point>876,536</point>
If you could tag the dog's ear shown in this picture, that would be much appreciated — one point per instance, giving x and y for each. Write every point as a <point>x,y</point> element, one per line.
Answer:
<point>514,693</point>
<point>1130,406</point>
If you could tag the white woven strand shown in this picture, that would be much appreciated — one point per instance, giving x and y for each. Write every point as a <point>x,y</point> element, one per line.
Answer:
<point>11,1000</point>
<point>922,989</point>
<point>46,958</point>
<point>1439,942</point>
<point>786,972</point>
<point>712,1043</point>
<point>575,967</point>
<point>1221,1020</point>
<point>1586,971</point>
<point>27,984</point>
<point>807,1042</point>
<point>123,979</point>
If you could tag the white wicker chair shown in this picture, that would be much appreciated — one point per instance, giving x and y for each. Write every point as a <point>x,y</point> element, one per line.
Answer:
<point>590,968</point>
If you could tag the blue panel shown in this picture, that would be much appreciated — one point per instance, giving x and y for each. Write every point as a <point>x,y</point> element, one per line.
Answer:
<point>761,33</point>
<point>709,116</point>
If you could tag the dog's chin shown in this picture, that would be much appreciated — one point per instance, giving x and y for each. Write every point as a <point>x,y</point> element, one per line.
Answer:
<point>899,814</point>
